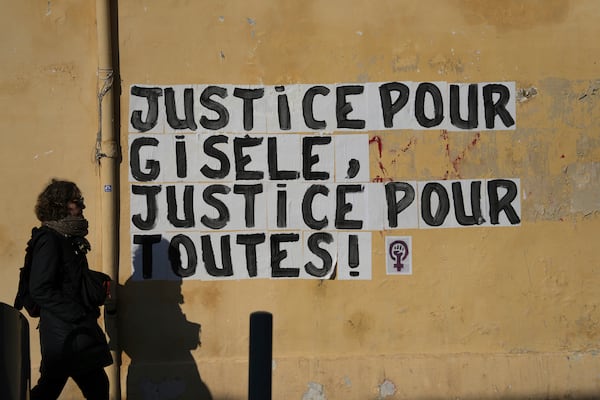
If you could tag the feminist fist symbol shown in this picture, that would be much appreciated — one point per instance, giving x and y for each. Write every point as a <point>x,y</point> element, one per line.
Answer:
<point>398,251</point>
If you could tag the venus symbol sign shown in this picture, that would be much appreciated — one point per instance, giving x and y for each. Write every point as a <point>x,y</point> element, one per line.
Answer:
<point>398,252</point>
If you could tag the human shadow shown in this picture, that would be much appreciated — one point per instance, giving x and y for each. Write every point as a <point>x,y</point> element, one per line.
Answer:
<point>154,332</point>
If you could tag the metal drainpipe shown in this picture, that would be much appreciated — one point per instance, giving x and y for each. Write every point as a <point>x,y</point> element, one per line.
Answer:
<point>107,157</point>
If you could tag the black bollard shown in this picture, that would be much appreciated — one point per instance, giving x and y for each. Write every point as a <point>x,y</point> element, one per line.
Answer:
<point>15,370</point>
<point>261,356</point>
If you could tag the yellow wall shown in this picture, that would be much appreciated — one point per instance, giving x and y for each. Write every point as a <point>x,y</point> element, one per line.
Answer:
<point>488,312</point>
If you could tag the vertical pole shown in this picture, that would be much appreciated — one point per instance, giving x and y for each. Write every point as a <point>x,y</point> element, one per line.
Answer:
<point>261,356</point>
<point>107,157</point>
<point>15,364</point>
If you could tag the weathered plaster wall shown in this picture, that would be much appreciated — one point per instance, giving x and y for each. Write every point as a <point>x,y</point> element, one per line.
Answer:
<point>488,313</point>
<point>48,122</point>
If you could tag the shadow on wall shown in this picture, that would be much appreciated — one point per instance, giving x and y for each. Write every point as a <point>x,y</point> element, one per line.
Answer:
<point>156,335</point>
<point>523,397</point>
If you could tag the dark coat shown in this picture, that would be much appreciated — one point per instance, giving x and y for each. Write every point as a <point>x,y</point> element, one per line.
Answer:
<point>71,339</point>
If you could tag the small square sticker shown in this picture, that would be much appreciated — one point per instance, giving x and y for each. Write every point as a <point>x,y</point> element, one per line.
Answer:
<point>398,250</point>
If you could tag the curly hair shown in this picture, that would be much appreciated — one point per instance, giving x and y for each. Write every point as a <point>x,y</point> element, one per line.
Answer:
<point>52,202</point>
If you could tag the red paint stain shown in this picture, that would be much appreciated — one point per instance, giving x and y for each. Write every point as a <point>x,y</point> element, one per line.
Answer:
<point>458,159</point>
<point>382,168</point>
<point>377,139</point>
<point>380,179</point>
<point>409,145</point>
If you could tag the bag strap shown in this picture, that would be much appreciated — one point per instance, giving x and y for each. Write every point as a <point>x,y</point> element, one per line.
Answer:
<point>25,270</point>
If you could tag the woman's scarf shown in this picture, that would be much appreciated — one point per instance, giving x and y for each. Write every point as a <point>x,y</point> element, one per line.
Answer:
<point>75,227</point>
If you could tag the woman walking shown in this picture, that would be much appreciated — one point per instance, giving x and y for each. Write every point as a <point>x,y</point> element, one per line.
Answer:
<point>72,343</point>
